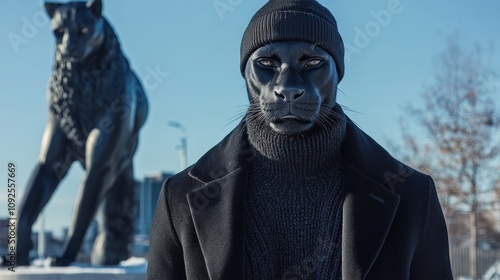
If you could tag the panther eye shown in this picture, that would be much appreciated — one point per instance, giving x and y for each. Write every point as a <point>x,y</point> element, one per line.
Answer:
<point>60,30</point>
<point>84,30</point>
<point>265,62</point>
<point>315,62</point>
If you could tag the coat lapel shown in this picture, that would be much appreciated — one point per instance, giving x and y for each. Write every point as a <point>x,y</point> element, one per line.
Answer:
<point>218,211</point>
<point>218,207</point>
<point>368,211</point>
<point>370,204</point>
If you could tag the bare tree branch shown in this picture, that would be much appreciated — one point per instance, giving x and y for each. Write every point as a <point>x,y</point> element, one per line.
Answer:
<point>457,142</point>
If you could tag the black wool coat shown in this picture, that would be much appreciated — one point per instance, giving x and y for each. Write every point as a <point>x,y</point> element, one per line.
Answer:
<point>393,225</point>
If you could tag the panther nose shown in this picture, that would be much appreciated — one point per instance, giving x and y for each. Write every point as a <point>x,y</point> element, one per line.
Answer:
<point>289,96</point>
<point>72,50</point>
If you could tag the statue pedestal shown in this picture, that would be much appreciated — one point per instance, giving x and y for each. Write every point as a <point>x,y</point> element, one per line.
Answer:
<point>131,269</point>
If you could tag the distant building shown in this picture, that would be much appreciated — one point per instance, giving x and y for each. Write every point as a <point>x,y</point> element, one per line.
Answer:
<point>148,192</point>
<point>64,233</point>
<point>4,236</point>
<point>147,197</point>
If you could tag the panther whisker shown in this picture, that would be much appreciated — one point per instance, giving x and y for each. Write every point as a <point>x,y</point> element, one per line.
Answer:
<point>234,118</point>
<point>321,122</point>
<point>345,108</point>
<point>251,116</point>
<point>339,89</point>
<point>330,118</point>
<point>242,111</point>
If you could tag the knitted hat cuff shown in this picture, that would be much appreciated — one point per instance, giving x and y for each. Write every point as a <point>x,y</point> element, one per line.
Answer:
<point>291,26</point>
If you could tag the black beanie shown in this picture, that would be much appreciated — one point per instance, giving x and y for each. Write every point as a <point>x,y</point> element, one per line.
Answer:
<point>289,20</point>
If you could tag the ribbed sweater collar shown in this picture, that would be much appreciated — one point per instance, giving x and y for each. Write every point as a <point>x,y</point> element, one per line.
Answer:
<point>313,152</point>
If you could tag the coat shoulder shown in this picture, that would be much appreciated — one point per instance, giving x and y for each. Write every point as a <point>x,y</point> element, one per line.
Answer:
<point>371,159</point>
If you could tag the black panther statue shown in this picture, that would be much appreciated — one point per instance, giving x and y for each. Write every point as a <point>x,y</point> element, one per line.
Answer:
<point>96,109</point>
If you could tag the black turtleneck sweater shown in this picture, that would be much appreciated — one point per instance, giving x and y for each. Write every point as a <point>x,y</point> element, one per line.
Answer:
<point>294,203</point>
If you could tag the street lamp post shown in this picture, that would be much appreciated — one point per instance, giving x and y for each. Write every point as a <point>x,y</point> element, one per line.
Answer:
<point>183,146</point>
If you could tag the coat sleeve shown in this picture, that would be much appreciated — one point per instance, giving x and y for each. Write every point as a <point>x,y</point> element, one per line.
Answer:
<point>432,259</point>
<point>165,260</point>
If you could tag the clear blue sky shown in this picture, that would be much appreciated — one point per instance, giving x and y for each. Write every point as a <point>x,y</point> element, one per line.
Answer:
<point>196,50</point>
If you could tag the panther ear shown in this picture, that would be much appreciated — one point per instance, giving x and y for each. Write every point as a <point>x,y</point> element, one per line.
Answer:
<point>95,6</point>
<point>51,8</point>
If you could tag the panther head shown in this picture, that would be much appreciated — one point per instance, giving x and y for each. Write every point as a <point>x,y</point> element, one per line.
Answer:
<point>78,28</point>
<point>292,85</point>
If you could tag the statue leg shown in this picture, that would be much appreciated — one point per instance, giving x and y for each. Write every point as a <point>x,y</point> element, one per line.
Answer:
<point>116,220</point>
<point>54,162</point>
<point>44,180</point>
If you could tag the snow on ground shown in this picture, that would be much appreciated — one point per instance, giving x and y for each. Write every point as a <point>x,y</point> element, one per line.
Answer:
<point>131,269</point>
